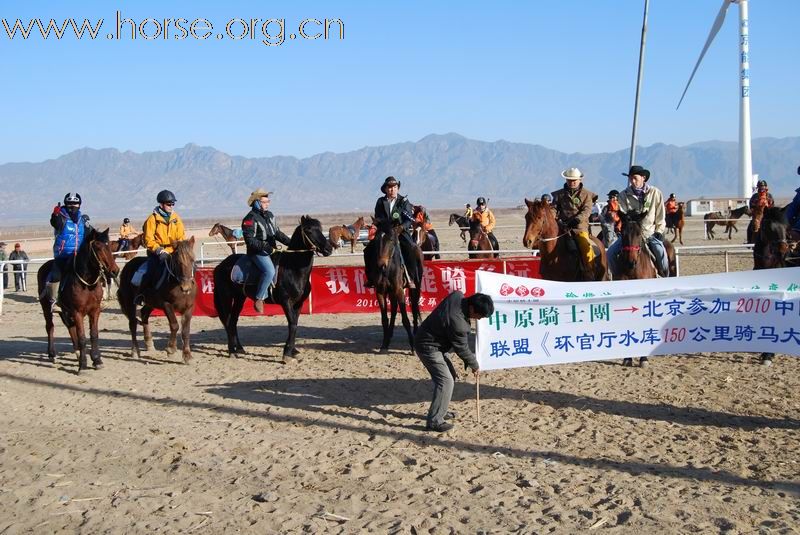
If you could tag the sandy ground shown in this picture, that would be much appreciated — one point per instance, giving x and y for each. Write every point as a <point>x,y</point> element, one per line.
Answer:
<point>693,444</point>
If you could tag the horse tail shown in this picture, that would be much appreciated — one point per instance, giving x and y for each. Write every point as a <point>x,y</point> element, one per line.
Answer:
<point>222,290</point>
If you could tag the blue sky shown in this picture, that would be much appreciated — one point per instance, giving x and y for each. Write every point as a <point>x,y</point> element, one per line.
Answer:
<point>560,73</point>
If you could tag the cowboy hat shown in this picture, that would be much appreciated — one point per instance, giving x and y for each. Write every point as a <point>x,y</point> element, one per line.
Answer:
<point>257,194</point>
<point>573,173</point>
<point>638,170</point>
<point>390,181</point>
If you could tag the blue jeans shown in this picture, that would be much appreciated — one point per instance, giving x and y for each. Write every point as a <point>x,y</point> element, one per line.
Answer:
<point>264,264</point>
<point>655,246</point>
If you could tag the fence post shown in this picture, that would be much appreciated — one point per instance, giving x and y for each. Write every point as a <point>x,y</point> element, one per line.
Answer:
<point>2,287</point>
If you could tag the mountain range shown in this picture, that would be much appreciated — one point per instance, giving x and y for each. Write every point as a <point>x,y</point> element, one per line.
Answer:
<point>438,171</point>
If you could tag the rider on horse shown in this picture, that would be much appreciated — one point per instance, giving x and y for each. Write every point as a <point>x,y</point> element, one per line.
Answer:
<point>70,227</point>
<point>468,211</point>
<point>641,197</point>
<point>126,233</point>
<point>487,221</point>
<point>610,220</point>
<point>762,197</point>
<point>393,207</point>
<point>671,211</point>
<point>424,221</point>
<point>793,216</point>
<point>573,204</point>
<point>162,229</point>
<point>260,231</point>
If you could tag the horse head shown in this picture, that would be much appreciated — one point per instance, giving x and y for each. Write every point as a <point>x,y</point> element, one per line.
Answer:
<point>101,249</point>
<point>772,238</point>
<point>214,230</point>
<point>388,237</point>
<point>535,218</point>
<point>181,264</point>
<point>359,223</point>
<point>313,237</point>
<point>632,239</point>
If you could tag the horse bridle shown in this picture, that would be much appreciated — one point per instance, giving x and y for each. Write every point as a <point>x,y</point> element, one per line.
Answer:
<point>182,278</point>
<point>100,266</point>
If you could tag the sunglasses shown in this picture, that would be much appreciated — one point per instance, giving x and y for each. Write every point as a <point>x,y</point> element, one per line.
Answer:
<point>169,203</point>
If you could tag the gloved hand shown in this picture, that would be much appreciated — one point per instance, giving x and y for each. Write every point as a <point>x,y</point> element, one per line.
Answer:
<point>56,208</point>
<point>658,236</point>
<point>573,223</point>
<point>266,248</point>
<point>162,254</point>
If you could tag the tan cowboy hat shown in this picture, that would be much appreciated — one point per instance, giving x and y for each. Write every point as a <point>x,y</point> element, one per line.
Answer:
<point>257,194</point>
<point>573,173</point>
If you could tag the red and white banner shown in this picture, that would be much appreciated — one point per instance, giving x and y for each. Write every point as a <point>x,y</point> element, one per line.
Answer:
<point>336,289</point>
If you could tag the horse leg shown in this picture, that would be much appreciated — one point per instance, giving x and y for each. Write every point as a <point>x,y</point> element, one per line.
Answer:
<point>50,327</point>
<point>133,326</point>
<point>172,345</point>
<point>232,327</point>
<point>406,322</point>
<point>352,246</point>
<point>148,333</point>
<point>186,329</point>
<point>94,333</point>
<point>291,312</point>
<point>387,337</point>
<point>80,337</point>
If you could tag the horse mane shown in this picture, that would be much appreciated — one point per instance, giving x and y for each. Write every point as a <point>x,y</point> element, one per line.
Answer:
<point>296,241</point>
<point>184,252</point>
<point>774,215</point>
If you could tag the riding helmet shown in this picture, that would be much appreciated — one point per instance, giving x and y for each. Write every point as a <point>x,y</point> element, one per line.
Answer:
<point>126,220</point>
<point>165,196</point>
<point>480,201</point>
<point>613,193</point>
<point>761,183</point>
<point>72,198</point>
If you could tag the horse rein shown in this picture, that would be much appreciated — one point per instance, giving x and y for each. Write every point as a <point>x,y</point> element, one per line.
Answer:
<point>173,275</point>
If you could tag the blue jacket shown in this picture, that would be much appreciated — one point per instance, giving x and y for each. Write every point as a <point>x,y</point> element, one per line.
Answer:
<point>68,234</point>
<point>793,211</point>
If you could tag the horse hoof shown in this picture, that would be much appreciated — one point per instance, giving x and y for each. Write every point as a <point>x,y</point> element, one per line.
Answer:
<point>288,359</point>
<point>766,362</point>
<point>98,365</point>
<point>240,350</point>
<point>187,358</point>
<point>295,352</point>
<point>384,351</point>
<point>643,362</point>
<point>171,350</point>
<point>627,362</point>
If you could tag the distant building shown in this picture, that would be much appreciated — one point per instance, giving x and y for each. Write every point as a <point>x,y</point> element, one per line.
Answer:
<point>703,206</point>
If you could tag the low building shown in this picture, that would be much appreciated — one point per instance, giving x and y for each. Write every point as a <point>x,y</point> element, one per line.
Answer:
<point>702,206</point>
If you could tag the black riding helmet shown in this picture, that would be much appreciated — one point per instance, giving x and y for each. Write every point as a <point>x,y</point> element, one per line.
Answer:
<point>165,196</point>
<point>480,201</point>
<point>613,193</point>
<point>126,221</point>
<point>72,198</point>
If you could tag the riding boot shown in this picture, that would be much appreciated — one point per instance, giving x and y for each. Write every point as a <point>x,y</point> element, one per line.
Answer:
<point>51,292</point>
<point>258,305</point>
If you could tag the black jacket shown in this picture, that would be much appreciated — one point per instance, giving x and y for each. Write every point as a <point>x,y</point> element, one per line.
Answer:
<point>401,207</point>
<point>260,232</point>
<point>447,329</point>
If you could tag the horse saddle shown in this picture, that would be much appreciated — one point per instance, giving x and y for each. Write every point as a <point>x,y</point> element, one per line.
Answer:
<point>351,229</point>
<point>238,234</point>
<point>136,280</point>
<point>245,273</point>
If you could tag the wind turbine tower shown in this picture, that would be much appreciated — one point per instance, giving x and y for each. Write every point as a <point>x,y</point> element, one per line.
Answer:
<point>745,147</point>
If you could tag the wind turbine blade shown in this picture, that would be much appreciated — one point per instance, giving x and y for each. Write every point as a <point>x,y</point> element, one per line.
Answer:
<point>711,35</point>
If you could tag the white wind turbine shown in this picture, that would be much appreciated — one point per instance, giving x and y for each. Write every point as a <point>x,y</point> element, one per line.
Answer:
<point>745,150</point>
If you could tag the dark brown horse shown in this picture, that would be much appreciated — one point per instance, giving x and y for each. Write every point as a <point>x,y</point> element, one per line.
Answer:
<point>717,218</point>
<point>390,282</point>
<point>227,234</point>
<point>346,233</point>
<point>634,261</point>
<point>293,287</point>
<point>560,260</point>
<point>82,293</point>
<point>132,246</point>
<point>678,221</point>
<point>175,296</point>
<point>771,249</point>
<point>426,240</point>
<point>479,241</point>
<point>463,224</point>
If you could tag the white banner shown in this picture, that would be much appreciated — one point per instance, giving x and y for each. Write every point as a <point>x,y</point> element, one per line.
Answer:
<point>544,322</point>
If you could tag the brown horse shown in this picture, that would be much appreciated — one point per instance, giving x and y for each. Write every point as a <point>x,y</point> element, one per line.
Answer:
<point>714,218</point>
<point>560,260</point>
<point>132,246</point>
<point>175,296</point>
<point>227,234</point>
<point>384,253</point>
<point>346,233</point>
<point>462,222</point>
<point>291,291</point>
<point>678,221</point>
<point>82,293</point>
<point>479,241</point>
<point>427,240</point>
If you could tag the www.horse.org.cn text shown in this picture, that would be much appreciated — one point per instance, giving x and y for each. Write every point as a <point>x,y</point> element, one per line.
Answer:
<point>268,31</point>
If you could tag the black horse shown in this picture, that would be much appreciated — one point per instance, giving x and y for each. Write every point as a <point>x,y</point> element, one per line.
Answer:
<point>292,289</point>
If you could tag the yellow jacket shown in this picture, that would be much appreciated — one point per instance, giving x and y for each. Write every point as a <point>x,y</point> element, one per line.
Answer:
<point>127,232</point>
<point>160,235</point>
<point>486,218</point>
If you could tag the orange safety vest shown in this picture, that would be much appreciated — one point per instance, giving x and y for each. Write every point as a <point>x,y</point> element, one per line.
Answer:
<point>671,206</point>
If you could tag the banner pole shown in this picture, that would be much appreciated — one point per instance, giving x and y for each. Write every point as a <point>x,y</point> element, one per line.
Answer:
<point>478,395</point>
